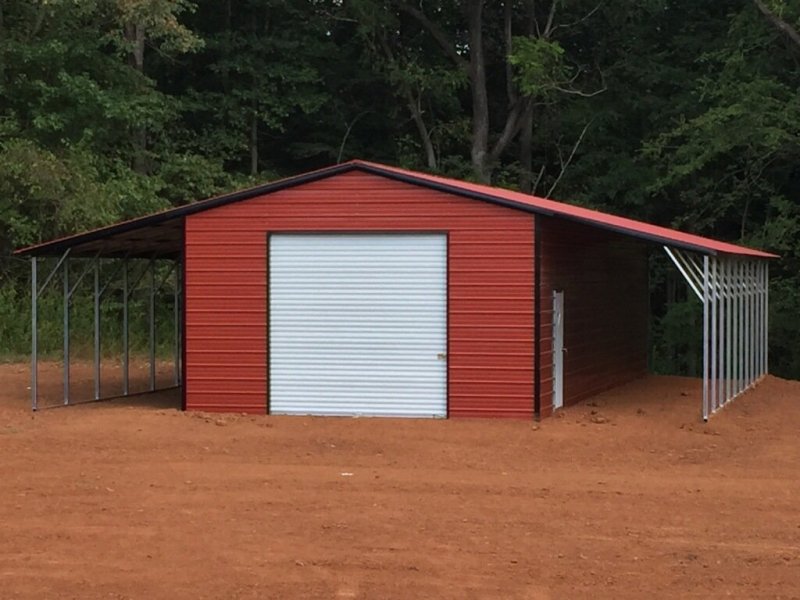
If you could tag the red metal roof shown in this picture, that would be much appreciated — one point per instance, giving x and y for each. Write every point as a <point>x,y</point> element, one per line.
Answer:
<point>655,233</point>
<point>95,240</point>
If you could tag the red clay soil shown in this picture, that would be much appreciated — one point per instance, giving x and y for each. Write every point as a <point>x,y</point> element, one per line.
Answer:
<point>626,496</point>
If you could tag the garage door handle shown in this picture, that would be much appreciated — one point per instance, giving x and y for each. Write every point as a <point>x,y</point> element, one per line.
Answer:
<point>442,356</point>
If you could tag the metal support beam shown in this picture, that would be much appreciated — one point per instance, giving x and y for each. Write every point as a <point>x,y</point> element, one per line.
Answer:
<point>757,309</point>
<point>714,307</point>
<point>83,274</point>
<point>152,314</point>
<point>754,323</point>
<point>685,270</point>
<point>97,329</point>
<point>138,280</point>
<point>734,293</point>
<point>34,337</point>
<point>113,275</point>
<point>53,272</point>
<point>729,328</point>
<point>723,365</point>
<point>165,278</point>
<point>737,347</point>
<point>706,308</point>
<point>125,343</point>
<point>743,328</point>
<point>66,331</point>
<point>766,318</point>
<point>176,327</point>
<point>750,323</point>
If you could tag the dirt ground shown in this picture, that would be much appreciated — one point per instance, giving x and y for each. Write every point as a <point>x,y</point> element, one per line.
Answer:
<point>627,496</point>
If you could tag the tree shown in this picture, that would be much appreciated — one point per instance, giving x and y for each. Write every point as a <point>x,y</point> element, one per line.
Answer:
<point>464,44</point>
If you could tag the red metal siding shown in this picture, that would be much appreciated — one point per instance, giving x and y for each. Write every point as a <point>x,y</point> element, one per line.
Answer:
<point>490,288</point>
<point>604,277</point>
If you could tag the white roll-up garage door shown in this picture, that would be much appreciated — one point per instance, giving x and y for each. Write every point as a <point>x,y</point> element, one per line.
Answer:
<point>358,324</point>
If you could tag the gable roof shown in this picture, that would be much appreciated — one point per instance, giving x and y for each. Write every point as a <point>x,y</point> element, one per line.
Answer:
<point>160,234</point>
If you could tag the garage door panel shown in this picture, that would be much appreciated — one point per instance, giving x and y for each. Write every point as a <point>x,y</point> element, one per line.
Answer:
<point>357,324</point>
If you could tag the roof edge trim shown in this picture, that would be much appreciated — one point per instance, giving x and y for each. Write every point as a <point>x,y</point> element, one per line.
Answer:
<point>450,189</point>
<point>62,243</point>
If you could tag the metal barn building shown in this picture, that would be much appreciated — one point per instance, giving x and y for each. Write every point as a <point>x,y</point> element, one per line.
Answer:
<point>363,289</point>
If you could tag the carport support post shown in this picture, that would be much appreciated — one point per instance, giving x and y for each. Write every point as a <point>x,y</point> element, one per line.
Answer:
<point>706,294</point>
<point>34,332</point>
<point>760,319</point>
<point>766,318</point>
<point>125,358</point>
<point>97,329</point>
<point>152,325</point>
<point>66,331</point>
<point>176,325</point>
<point>728,329</point>
<point>747,324</point>
<point>736,321</point>
<point>723,292</point>
<point>714,319</point>
<point>743,276</point>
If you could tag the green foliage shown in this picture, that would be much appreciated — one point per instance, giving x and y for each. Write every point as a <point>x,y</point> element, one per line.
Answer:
<point>678,337</point>
<point>114,108</point>
<point>540,66</point>
<point>15,321</point>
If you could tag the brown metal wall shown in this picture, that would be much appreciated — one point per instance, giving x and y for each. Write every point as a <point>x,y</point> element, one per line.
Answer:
<point>604,277</point>
<point>490,288</point>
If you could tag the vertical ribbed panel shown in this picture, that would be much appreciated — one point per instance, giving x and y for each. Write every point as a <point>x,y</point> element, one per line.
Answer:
<point>490,287</point>
<point>604,277</point>
<point>358,324</point>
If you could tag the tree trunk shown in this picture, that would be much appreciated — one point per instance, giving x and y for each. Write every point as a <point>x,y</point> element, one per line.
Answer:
<point>480,99</point>
<point>422,128</point>
<point>526,152</point>
<point>2,37</point>
<point>526,122</point>
<point>785,28</point>
<point>254,144</point>
<point>135,34</point>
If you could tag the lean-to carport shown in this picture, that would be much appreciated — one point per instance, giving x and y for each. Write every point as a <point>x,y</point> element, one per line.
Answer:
<point>735,296</point>
<point>141,256</point>
<point>730,280</point>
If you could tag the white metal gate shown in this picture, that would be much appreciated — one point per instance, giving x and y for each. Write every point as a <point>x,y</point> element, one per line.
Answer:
<point>558,349</point>
<point>358,324</point>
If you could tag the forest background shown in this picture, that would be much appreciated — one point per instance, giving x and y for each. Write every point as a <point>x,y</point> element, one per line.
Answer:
<point>684,113</point>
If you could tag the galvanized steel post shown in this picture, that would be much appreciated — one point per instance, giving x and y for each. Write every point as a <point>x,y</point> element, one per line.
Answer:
<point>97,329</point>
<point>714,319</point>
<point>176,324</point>
<point>761,319</point>
<point>736,321</point>
<point>766,318</point>
<point>66,331</point>
<point>34,335</point>
<point>125,357</point>
<point>743,327</point>
<point>706,289</point>
<point>753,322</point>
<point>748,343</point>
<point>152,335</point>
<point>723,293</point>
<point>729,290</point>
